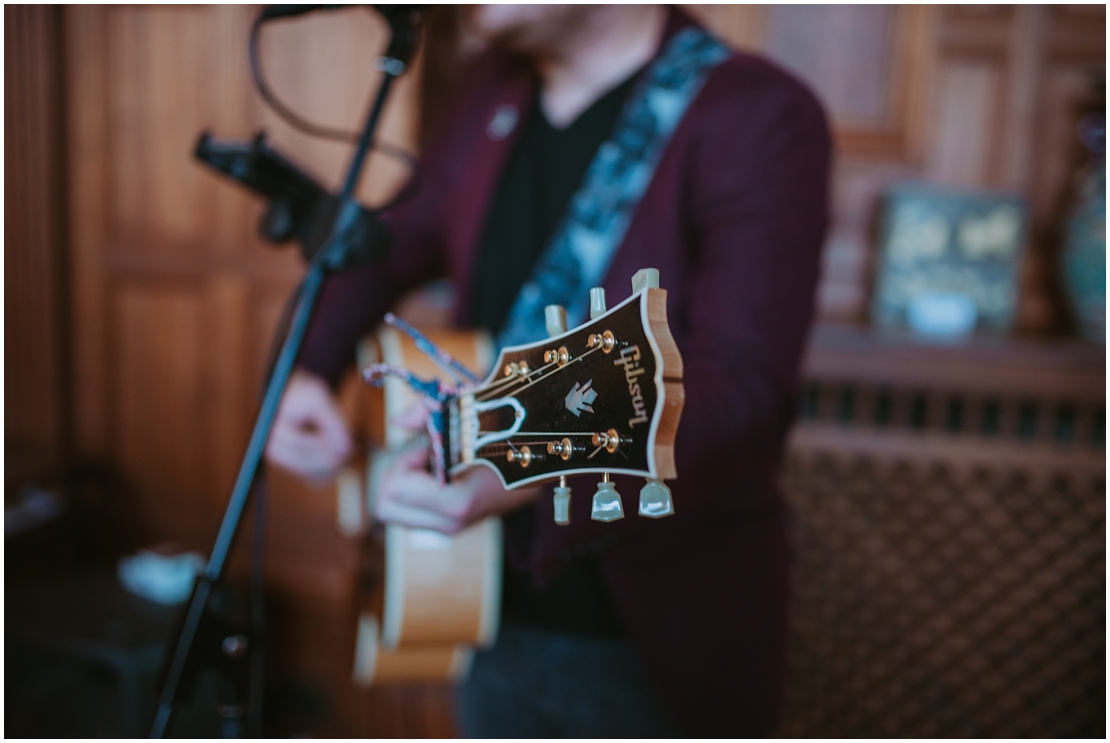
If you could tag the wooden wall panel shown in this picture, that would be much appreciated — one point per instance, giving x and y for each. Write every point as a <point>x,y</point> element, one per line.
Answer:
<point>35,267</point>
<point>742,26</point>
<point>964,143</point>
<point>144,82</point>
<point>968,96</point>
<point>232,382</point>
<point>846,52</point>
<point>159,382</point>
<point>175,297</point>
<point>87,139</point>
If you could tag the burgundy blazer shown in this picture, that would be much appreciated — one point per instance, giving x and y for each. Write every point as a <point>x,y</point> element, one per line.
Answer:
<point>734,220</point>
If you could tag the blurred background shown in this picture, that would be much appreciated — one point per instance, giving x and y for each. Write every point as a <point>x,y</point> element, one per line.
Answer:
<point>948,468</point>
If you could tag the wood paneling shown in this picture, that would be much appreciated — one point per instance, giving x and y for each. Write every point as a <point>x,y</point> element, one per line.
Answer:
<point>967,96</point>
<point>160,391</point>
<point>144,82</point>
<point>35,267</point>
<point>962,149</point>
<point>175,297</point>
<point>742,26</point>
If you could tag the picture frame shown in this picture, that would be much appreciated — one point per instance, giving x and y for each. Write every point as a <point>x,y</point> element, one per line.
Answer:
<point>944,247</point>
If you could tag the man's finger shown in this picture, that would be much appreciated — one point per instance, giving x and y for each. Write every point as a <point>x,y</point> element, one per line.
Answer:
<point>303,454</point>
<point>392,512</point>
<point>404,463</point>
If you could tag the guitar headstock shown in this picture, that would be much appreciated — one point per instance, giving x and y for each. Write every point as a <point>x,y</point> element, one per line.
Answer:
<point>602,398</point>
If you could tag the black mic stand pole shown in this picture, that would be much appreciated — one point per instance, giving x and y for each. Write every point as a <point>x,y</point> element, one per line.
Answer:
<point>330,255</point>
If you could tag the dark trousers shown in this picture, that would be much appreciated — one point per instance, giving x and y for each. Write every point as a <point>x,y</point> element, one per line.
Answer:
<point>539,684</point>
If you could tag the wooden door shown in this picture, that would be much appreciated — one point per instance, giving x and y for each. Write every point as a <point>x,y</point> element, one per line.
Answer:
<point>36,387</point>
<point>175,297</point>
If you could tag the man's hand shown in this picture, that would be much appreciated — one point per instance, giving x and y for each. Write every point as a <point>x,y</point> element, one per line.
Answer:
<point>409,494</point>
<point>309,437</point>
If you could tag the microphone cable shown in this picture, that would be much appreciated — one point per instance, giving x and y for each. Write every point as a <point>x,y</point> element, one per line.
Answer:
<point>302,124</point>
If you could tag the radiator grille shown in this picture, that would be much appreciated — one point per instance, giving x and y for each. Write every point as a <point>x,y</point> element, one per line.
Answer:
<point>937,601</point>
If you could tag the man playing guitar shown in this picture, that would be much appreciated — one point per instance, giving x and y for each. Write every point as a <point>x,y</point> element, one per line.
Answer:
<point>585,143</point>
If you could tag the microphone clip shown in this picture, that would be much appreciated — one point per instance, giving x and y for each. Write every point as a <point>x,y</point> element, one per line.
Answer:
<point>299,208</point>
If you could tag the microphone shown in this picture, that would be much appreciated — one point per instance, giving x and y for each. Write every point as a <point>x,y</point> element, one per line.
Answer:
<point>273,12</point>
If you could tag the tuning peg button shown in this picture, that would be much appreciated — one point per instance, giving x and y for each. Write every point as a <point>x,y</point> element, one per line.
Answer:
<point>607,502</point>
<point>555,318</point>
<point>597,302</point>
<point>562,503</point>
<point>655,499</point>
<point>645,278</point>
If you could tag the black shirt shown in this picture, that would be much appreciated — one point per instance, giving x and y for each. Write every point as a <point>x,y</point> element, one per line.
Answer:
<point>543,172</point>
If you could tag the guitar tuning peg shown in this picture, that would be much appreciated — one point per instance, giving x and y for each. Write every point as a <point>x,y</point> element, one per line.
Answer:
<point>645,278</point>
<point>597,302</point>
<point>555,318</point>
<point>562,503</point>
<point>607,502</point>
<point>655,499</point>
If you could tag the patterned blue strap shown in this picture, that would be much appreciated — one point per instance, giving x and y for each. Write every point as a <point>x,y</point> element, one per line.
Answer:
<point>580,252</point>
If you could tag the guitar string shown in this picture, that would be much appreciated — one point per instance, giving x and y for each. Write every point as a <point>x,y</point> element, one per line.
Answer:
<point>518,378</point>
<point>556,371</point>
<point>497,447</point>
<point>504,384</point>
<point>507,381</point>
<point>543,433</point>
<point>541,378</point>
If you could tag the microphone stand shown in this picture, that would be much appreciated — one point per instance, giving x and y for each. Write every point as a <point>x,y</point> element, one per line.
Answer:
<point>331,255</point>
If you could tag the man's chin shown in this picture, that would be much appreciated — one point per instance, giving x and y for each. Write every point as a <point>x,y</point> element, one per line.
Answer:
<point>522,29</point>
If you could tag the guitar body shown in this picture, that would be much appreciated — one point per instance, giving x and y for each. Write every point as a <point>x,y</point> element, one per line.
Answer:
<point>440,596</point>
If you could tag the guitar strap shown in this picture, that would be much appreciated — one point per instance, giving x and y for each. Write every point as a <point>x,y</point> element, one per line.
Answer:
<point>582,248</point>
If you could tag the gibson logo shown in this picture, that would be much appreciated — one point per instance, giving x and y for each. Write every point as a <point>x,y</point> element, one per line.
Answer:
<point>580,398</point>
<point>630,359</point>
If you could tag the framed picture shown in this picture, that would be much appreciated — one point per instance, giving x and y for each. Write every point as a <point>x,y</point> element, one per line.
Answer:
<point>948,258</point>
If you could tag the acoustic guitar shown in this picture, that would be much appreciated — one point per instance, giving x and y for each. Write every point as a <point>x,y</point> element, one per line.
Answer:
<point>603,398</point>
